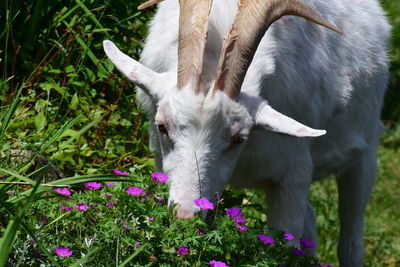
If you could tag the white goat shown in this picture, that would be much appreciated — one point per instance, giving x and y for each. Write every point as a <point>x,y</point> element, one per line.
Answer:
<point>212,103</point>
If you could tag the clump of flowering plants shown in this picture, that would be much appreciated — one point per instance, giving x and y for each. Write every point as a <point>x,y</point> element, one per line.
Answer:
<point>125,220</point>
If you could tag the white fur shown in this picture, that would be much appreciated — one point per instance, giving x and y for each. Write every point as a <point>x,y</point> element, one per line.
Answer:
<point>313,75</point>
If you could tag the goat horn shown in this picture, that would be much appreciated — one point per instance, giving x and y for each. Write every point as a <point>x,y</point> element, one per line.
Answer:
<point>148,4</point>
<point>193,29</point>
<point>240,44</point>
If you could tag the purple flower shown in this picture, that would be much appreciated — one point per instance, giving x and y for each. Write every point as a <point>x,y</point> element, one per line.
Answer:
<point>266,239</point>
<point>136,245</point>
<point>183,251</point>
<point>234,213</point>
<point>307,243</point>
<point>237,215</point>
<point>298,252</point>
<point>159,199</point>
<point>63,252</point>
<point>134,191</point>
<point>150,218</point>
<point>108,195</point>
<point>159,177</point>
<point>81,206</point>
<point>204,204</point>
<point>328,265</point>
<point>288,236</point>
<point>43,220</point>
<point>110,204</point>
<point>92,185</point>
<point>118,172</point>
<point>62,207</point>
<point>243,228</point>
<point>110,184</point>
<point>214,263</point>
<point>146,197</point>
<point>200,231</point>
<point>126,227</point>
<point>63,191</point>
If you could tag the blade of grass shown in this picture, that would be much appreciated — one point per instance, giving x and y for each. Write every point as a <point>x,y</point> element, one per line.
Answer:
<point>84,258</point>
<point>13,226</point>
<point>134,254</point>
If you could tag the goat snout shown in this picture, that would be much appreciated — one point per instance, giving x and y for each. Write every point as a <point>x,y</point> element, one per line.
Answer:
<point>186,214</point>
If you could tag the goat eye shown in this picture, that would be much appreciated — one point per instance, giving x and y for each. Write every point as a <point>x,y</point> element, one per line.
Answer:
<point>237,139</point>
<point>162,129</point>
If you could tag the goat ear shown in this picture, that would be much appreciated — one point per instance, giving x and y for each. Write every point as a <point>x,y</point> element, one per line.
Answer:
<point>148,80</point>
<point>264,115</point>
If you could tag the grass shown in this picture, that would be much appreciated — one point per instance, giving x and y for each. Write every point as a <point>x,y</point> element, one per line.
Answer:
<point>62,99</point>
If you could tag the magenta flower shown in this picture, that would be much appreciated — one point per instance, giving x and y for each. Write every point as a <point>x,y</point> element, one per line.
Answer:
<point>183,251</point>
<point>151,218</point>
<point>43,220</point>
<point>200,231</point>
<point>214,263</point>
<point>110,204</point>
<point>134,191</point>
<point>298,252</point>
<point>81,206</point>
<point>136,245</point>
<point>110,184</point>
<point>288,236</point>
<point>265,239</point>
<point>204,204</point>
<point>159,199</point>
<point>63,252</point>
<point>126,228</point>
<point>108,195</point>
<point>328,265</point>
<point>307,243</point>
<point>62,207</point>
<point>159,177</point>
<point>234,213</point>
<point>118,172</point>
<point>63,191</point>
<point>237,215</point>
<point>92,185</point>
<point>243,228</point>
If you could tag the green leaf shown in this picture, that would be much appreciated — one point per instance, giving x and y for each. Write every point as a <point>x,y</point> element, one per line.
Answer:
<point>40,121</point>
<point>74,101</point>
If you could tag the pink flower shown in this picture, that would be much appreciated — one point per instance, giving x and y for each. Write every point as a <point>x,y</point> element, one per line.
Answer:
<point>243,228</point>
<point>183,251</point>
<point>62,207</point>
<point>108,195</point>
<point>136,245</point>
<point>134,191</point>
<point>298,252</point>
<point>200,231</point>
<point>110,184</point>
<point>81,206</point>
<point>63,191</point>
<point>288,236</point>
<point>265,239</point>
<point>151,218</point>
<point>63,252</point>
<point>204,204</point>
<point>110,204</point>
<point>92,185</point>
<point>307,243</point>
<point>214,263</point>
<point>118,172</point>
<point>159,199</point>
<point>159,177</point>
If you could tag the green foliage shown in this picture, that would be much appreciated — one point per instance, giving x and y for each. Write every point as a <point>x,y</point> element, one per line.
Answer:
<point>61,98</point>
